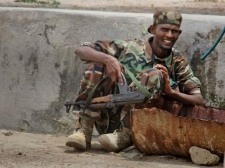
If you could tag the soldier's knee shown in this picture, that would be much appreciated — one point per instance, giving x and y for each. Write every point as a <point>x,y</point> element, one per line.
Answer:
<point>154,71</point>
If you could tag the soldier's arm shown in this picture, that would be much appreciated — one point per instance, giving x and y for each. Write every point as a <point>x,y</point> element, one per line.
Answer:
<point>113,66</point>
<point>194,98</point>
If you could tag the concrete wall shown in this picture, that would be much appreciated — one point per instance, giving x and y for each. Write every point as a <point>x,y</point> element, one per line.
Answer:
<point>39,71</point>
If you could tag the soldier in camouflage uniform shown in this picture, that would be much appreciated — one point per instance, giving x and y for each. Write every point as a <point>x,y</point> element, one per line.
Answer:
<point>158,67</point>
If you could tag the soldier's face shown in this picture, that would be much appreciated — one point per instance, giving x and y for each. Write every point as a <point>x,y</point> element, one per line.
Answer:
<point>165,35</point>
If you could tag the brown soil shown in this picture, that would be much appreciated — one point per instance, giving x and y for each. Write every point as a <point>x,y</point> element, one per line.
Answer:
<point>21,150</point>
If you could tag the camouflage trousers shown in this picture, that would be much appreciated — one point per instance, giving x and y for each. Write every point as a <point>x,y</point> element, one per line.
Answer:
<point>151,79</point>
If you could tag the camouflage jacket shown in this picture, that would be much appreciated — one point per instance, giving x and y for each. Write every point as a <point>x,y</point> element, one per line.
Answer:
<point>137,56</point>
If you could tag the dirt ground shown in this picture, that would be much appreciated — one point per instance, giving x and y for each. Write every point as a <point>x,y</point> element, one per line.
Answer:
<point>26,150</point>
<point>21,150</point>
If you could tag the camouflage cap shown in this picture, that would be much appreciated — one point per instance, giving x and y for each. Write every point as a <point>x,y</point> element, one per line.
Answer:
<point>169,17</point>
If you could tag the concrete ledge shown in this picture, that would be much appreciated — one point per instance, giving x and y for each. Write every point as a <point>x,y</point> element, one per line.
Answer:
<point>39,70</point>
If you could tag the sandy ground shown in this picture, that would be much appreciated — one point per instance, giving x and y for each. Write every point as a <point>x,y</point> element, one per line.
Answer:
<point>21,150</point>
<point>26,150</point>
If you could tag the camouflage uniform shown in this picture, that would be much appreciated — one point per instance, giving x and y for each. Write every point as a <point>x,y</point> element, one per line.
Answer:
<point>137,56</point>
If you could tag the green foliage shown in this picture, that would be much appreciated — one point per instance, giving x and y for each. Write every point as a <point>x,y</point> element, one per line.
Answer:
<point>52,3</point>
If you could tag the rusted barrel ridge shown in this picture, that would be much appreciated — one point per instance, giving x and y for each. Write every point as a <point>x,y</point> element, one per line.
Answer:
<point>157,131</point>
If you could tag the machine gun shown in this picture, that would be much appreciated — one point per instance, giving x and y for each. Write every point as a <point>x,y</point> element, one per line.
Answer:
<point>124,97</point>
<point>109,101</point>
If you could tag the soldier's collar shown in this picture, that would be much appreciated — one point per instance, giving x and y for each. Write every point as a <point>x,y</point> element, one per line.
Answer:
<point>150,55</point>
<point>167,60</point>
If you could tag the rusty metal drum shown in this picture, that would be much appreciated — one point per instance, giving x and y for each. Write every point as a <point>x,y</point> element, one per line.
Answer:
<point>172,128</point>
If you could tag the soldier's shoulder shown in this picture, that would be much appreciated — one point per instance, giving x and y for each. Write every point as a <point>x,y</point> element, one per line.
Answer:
<point>178,56</point>
<point>139,41</point>
<point>176,52</point>
<point>136,41</point>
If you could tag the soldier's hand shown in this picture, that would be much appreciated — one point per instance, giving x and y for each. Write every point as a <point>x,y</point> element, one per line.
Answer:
<point>166,88</point>
<point>114,69</point>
